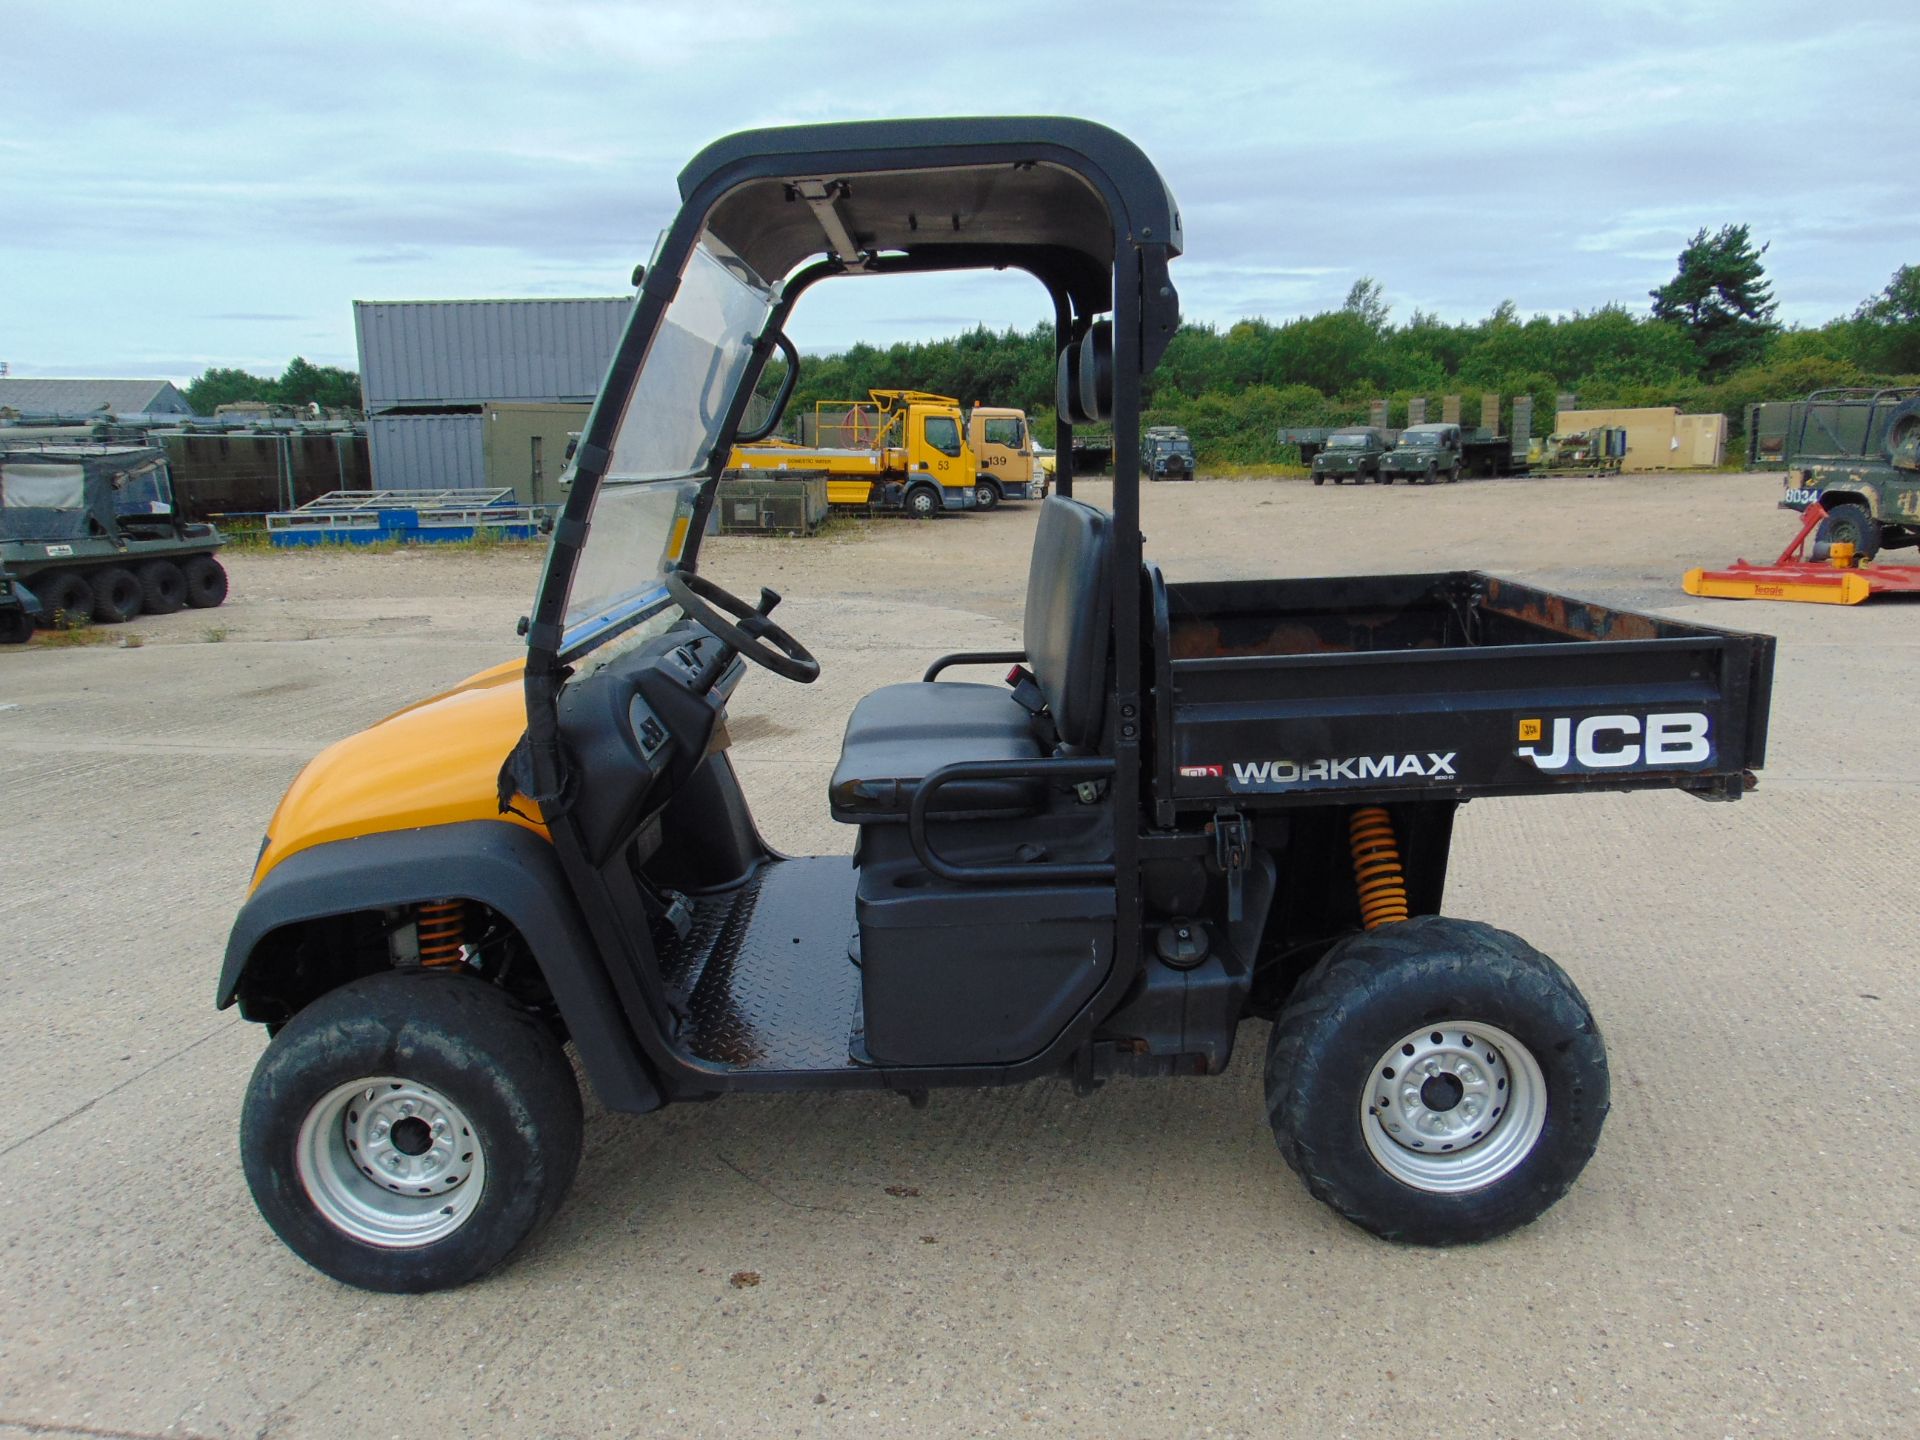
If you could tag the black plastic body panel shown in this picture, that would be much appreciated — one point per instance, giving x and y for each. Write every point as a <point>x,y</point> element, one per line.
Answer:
<point>501,865</point>
<point>973,974</point>
<point>1443,687</point>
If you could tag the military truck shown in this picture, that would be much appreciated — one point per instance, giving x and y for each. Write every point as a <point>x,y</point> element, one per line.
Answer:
<point>1167,453</point>
<point>94,532</point>
<point>1424,454</point>
<point>1352,453</point>
<point>1857,452</point>
<point>1489,448</point>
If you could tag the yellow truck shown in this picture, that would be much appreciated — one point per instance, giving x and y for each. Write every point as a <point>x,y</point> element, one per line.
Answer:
<point>1009,467</point>
<point>897,450</point>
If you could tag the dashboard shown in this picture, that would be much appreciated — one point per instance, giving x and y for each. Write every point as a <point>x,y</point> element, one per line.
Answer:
<point>636,729</point>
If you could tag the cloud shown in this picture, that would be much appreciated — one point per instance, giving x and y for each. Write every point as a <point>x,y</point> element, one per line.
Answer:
<point>295,160</point>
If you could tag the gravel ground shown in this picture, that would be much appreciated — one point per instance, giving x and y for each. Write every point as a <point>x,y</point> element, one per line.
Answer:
<point>1138,1263</point>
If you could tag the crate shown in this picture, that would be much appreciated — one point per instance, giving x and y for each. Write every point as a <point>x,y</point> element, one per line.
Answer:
<point>788,505</point>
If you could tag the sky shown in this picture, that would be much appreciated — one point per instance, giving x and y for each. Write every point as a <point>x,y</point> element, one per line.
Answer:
<point>199,183</point>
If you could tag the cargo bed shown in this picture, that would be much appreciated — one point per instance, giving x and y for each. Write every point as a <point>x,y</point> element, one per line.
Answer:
<point>1274,693</point>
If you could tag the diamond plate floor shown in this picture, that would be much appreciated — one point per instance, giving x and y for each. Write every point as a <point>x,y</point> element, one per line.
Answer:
<point>763,975</point>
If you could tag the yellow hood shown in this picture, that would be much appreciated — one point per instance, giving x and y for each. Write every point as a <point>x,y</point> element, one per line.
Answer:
<point>434,763</point>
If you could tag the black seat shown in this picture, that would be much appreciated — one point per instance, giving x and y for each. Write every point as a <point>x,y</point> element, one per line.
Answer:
<point>900,734</point>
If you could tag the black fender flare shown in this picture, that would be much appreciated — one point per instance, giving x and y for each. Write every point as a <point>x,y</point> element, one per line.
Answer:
<point>505,866</point>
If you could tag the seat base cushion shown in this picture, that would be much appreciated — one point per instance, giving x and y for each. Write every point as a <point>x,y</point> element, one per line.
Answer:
<point>900,734</point>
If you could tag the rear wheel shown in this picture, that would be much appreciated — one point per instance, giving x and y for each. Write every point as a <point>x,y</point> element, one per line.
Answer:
<point>1853,525</point>
<point>407,1132</point>
<point>116,594</point>
<point>163,587</point>
<point>65,598</point>
<point>206,581</point>
<point>1437,1081</point>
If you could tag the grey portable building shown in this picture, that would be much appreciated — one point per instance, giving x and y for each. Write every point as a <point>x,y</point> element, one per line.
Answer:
<point>427,452</point>
<point>436,354</point>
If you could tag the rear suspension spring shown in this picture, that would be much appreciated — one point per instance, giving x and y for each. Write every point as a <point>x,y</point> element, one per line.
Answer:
<point>1377,873</point>
<point>442,926</point>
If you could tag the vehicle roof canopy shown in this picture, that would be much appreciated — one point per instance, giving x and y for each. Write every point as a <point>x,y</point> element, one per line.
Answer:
<point>59,492</point>
<point>1045,194</point>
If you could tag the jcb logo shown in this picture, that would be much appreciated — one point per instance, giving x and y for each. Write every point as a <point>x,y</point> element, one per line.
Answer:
<point>1619,742</point>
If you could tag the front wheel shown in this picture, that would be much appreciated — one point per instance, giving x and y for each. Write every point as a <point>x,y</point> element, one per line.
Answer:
<point>1851,524</point>
<point>1437,1081</point>
<point>986,495</point>
<point>407,1132</point>
<point>923,503</point>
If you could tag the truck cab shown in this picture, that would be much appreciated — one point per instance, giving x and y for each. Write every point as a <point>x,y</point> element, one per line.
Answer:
<point>1422,455</point>
<point>1003,440</point>
<point>1167,453</point>
<point>1194,813</point>
<point>1351,453</point>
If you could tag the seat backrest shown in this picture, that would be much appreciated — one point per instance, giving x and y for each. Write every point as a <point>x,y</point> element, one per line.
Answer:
<point>1069,601</point>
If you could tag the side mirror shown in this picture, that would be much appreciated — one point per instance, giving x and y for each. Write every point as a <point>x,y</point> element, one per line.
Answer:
<point>778,405</point>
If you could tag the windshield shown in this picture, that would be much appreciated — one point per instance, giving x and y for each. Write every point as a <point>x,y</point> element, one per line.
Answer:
<point>1417,441</point>
<point>668,427</point>
<point>1349,442</point>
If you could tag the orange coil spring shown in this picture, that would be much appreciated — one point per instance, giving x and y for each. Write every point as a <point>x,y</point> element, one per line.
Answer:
<point>443,931</point>
<point>1376,867</point>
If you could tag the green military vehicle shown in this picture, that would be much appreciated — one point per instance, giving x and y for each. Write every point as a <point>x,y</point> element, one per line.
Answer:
<point>1857,452</point>
<point>1167,453</point>
<point>93,532</point>
<point>1351,453</point>
<point>1424,454</point>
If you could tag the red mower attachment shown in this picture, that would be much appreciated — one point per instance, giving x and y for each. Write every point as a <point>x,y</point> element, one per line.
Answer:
<point>1838,578</point>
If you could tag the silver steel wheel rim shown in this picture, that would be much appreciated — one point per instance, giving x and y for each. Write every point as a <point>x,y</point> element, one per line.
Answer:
<point>390,1162</point>
<point>1453,1107</point>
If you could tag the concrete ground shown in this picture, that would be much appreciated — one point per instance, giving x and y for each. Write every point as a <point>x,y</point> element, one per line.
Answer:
<point>1737,1260</point>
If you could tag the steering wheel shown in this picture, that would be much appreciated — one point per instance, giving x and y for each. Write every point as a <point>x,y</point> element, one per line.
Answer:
<point>755,637</point>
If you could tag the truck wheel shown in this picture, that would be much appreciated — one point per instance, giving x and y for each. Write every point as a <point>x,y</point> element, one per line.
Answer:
<point>986,495</point>
<point>1433,473</point>
<point>923,502</point>
<point>1852,524</point>
<point>16,627</point>
<point>1437,1081</point>
<point>407,1132</point>
<point>65,597</point>
<point>1321,480</point>
<point>206,581</point>
<point>163,587</point>
<point>116,595</point>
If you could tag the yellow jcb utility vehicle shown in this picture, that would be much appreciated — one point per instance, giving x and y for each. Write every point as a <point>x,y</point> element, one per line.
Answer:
<point>1197,803</point>
<point>898,450</point>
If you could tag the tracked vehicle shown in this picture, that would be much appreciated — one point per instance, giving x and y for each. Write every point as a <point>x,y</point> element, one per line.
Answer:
<point>1198,803</point>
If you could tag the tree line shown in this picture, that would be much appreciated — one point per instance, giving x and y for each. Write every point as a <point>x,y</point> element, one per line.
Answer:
<point>301,384</point>
<point>1709,341</point>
